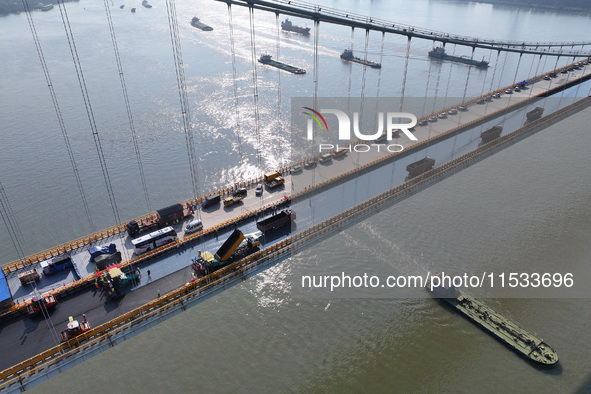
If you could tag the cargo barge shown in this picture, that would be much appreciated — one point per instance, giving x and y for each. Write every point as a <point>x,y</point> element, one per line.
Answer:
<point>266,59</point>
<point>439,53</point>
<point>286,25</point>
<point>348,55</point>
<point>522,341</point>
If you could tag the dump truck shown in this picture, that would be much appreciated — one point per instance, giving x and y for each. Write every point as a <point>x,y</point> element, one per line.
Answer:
<point>236,247</point>
<point>276,221</point>
<point>273,179</point>
<point>230,246</point>
<point>165,217</point>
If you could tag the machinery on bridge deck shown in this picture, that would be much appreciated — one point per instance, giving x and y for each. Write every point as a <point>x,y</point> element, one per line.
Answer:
<point>39,302</point>
<point>231,250</point>
<point>74,328</point>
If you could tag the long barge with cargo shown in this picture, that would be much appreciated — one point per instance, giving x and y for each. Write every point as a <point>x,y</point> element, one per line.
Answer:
<point>439,53</point>
<point>522,341</point>
<point>267,59</point>
<point>348,56</point>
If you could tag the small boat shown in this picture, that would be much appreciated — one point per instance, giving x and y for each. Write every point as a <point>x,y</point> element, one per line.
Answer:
<point>491,133</point>
<point>200,25</point>
<point>419,167</point>
<point>288,26</point>
<point>535,114</point>
<point>146,4</point>
<point>45,7</point>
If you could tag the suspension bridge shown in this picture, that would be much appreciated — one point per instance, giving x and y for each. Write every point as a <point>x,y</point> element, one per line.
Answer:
<point>439,133</point>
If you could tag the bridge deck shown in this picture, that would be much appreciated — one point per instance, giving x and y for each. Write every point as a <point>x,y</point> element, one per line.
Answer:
<point>323,172</point>
<point>326,204</point>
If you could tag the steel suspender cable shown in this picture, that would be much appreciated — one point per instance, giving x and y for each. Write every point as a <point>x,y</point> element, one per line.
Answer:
<point>517,68</point>
<point>182,89</point>
<point>235,78</point>
<point>450,71</point>
<point>88,106</point>
<point>316,37</point>
<point>127,105</point>
<point>484,80</point>
<point>467,78</point>
<point>492,80</point>
<point>279,117</point>
<point>349,83</point>
<point>58,112</point>
<point>380,70</point>
<point>11,223</point>
<point>363,77</point>
<point>255,89</point>
<point>405,72</point>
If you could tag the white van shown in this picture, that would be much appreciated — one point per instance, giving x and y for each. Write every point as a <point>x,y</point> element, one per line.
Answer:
<point>325,158</point>
<point>192,226</point>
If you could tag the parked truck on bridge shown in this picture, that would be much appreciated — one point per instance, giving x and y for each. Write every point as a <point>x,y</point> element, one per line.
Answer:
<point>273,179</point>
<point>276,221</point>
<point>57,264</point>
<point>165,217</point>
<point>236,247</point>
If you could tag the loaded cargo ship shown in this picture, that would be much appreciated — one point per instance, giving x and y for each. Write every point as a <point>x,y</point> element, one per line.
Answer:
<point>288,26</point>
<point>200,25</point>
<point>348,55</point>
<point>518,339</point>
<point>266,59</point>
<point>439,53</point>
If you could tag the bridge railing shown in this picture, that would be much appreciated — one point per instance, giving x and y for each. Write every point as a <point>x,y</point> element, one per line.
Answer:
<point>315,11</point>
